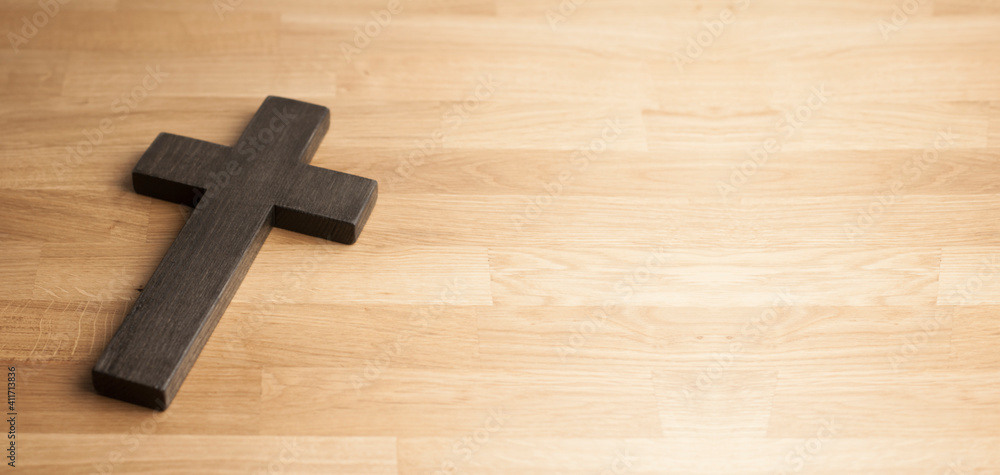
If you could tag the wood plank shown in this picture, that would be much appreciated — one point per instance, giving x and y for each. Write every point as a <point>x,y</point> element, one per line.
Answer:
<point>41,73</point>
<point>425,271</point>
<point>835,222</point>
<point>44,331</point>
<point>994,137</point>
<point>422,273</point>
<point>360,8</point>
<point>608,11</point>
<point>737,404</point>
<point>553,126</point>
<point>695,343</point>
<point>821,126</point>
<point>884,403</point>
<point>952,172</point>
<point>19,268</point>
<point>880,74</point>
<point>97,5</point>
<point>111,217</point>
<point>58,398</point>
<point>201,74</point>
<point>969,276</point>
<point>372,339</point>
<point>690,277</point>
<point>76,123</point>
<point>113,272</point>
<point>918,39</point>
<point>146,451</point>
<point>974,336</point>
<point>442,402</point>
<point>144,31</point>
<point>966,7</point>
<point>692,454</point>
<point>391,67</point>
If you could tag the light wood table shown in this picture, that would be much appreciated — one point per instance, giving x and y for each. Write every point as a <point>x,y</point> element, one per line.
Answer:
<point>614,237</point>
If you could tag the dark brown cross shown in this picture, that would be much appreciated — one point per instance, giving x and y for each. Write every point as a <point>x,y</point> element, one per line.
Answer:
<point>239,193</point>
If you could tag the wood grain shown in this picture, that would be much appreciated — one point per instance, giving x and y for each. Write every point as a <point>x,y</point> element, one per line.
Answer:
<point>505,267</point>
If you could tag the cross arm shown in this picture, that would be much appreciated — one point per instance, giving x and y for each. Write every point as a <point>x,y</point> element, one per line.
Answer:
<point>326,204</point>
<point>178,169</point>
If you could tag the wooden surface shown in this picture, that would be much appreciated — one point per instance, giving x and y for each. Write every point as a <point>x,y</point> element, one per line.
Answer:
<point>239,194</point>
<point>778,254</point>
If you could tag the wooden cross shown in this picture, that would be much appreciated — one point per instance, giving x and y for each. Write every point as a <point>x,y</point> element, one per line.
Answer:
<point>239,193</point>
